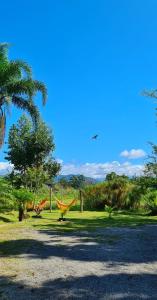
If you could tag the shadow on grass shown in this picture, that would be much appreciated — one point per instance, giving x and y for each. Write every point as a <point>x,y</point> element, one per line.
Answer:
<point>111,286</point>
<point>5,220</point>
<point>124,247</point>
<point>89,224</point>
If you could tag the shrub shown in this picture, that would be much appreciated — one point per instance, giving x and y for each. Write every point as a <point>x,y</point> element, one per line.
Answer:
<point>113,193</point>
<point>95,196</point>
<point>22,196</point>
<point>7,200</point>
<point>150,200</point>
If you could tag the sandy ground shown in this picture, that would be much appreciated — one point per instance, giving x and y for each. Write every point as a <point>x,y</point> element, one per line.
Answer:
<point>112,263</point>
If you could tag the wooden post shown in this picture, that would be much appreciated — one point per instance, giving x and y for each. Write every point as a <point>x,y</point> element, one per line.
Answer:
<point>50,199</point>
<point>81,201</point>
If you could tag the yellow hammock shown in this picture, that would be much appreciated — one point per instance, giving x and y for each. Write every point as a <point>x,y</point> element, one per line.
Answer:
<point>64,207</point>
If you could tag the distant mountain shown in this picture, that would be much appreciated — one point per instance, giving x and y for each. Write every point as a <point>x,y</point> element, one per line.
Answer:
<point>89,180</point>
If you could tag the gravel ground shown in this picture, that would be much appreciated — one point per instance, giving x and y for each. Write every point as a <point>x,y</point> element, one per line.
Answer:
<point>112,263</point>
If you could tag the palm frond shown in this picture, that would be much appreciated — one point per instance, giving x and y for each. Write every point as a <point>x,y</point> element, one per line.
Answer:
<point>20,87</point>
<point>40,86</point>
<point>28,106</point>
<point>11,73</point>
<point>17,85</point>
<point>23,66</point>
<point>27,87</point>
<point>4,51</point>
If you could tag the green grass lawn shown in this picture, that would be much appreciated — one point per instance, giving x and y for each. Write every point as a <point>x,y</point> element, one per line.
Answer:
<point>76,221</point>
<point>16,237</point>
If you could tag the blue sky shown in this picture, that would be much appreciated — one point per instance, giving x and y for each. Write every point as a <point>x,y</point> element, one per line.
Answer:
<point>95,57</point>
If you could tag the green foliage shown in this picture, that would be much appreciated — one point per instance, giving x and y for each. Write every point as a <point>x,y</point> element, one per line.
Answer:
<point>145,182</point>
<point>28,147</point>
<point>113,192</point>
<point>95,196</point>
<point>150,199</point>
<point>134,197</point>
<point>109,210</point>
<point>52,167</point>
<point>35,177</point>
<point>113,176</point>
<point>151,165</point>
<point>18,87</point>
<point>77,181</point>
<point>30,151</point>
<point>64,182</point>
<point>7,200</point>
<point>117,192</point>
<point>23,196</point>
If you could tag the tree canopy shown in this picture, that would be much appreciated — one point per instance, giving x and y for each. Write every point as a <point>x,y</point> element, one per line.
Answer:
<point>30,151</point>
<point>28,147</point>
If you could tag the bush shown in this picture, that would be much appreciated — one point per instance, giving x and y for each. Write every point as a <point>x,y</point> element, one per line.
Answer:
<point>150,200</point>
<point>7,200</point>
<point>134,197</point>
<point>118,192</point>
<point>95,196</point>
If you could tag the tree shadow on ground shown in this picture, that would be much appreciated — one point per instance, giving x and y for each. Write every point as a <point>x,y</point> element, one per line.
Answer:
<point>4,219</point>
<point>130,246</point>
<point>74,224</point>
<point>111,286</point>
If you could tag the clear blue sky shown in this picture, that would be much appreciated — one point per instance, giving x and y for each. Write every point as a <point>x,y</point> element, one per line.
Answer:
<point>95,58</point>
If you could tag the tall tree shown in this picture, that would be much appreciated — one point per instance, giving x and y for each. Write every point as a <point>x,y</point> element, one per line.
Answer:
<point>151,165</point>
<point>17,87</point>
<point>29,148</point>
<point>77,181</point>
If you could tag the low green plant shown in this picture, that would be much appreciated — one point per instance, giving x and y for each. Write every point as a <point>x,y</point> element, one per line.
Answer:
<point>109,210</point>
<point>22,196</point>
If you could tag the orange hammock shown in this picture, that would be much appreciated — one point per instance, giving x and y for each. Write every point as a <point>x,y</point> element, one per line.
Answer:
<point>39,207</point>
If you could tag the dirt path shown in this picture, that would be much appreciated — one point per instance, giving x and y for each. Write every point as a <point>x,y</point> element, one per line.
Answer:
<point>115,263</point>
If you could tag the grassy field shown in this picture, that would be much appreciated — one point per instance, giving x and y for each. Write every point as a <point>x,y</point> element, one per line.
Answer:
<point>76,221</point>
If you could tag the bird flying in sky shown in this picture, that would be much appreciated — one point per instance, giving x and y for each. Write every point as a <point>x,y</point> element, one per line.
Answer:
<point>94,137</point>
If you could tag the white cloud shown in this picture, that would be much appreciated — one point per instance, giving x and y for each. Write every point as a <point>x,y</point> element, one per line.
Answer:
<point>60,161</point>
<point>133,154</point>
<point>99,170</point>
<point>5,168</point>
<point>94,170</point>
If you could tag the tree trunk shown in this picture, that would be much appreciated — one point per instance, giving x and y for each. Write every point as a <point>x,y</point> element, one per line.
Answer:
<point>21,214</point>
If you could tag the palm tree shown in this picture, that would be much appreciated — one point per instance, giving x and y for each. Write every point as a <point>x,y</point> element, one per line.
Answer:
<point>17,87</point>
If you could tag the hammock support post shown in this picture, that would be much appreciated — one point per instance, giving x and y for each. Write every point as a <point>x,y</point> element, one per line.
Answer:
<point>50,198</point>
<point>81,201</point>
<point>50,185</point>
